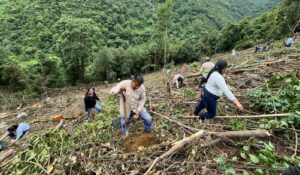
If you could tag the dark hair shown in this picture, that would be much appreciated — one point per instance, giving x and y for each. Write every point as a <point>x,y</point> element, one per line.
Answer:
<point>291,171</point>
<point>87,92</point>
<point>11,131</point>
<point>219,67</point>
<point>139,78</point>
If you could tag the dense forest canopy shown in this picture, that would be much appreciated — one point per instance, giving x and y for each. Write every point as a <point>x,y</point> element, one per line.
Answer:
<point>53,43</point>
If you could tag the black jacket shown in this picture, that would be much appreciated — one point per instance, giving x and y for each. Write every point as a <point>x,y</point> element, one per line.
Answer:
<point>90,101</point>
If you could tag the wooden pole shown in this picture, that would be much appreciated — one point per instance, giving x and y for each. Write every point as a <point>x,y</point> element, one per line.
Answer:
<point>244,116</point>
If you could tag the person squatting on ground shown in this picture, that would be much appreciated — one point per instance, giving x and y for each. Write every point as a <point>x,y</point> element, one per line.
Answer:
<point>290,41</point>
<point>214,88</point>
<point>135,96</point>
<point>90,102</point>
<point>16,132</point>
<point>178,80</point>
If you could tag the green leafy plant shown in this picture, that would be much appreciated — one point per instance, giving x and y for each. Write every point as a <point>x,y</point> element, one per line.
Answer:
<point>281,126</point>
<point>282,98</point>
<point>266,157</point>
<point>225,166</point>
<point>188,93</point>
<point>237,125</point>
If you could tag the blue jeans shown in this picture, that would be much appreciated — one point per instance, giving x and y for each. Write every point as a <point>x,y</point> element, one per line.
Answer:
<point>208,101</point>
<point>144,115</point>
<point>97,107</point>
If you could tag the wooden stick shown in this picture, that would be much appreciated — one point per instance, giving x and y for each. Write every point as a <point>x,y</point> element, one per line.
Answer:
<point>175,148</point>
<point>247,133</point>
<point>235,67</point>
<point>242,70</point>
<point>244,116</point>
<point>178,145</point>
<point>296,143</point>
<point>3,115</point>
<point>213,142</point>
<point>6,154</point>
<point>178,123</point>
<point>60,124</point>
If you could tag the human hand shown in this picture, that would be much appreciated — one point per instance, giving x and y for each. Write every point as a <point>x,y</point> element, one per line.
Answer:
<point>137,115</point>
<point>240,107</point>
<point>122,90</point>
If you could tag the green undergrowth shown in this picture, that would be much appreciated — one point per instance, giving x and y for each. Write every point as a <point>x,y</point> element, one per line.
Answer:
<point>281,95</point>
<point>257,160</point>
<point>53,145</point>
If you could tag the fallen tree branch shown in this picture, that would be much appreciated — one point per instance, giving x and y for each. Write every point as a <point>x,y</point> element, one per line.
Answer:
<point>6,154</point>
<point>247,133</point>
<point>178,123</point>
<point>3,115</point>
<point>296,143</point>
<point>244,116</point>
<point>175,148</point>
<point>235,67</point>
<point>50,120</point>
<point>178,145</point>
<point>213,142</point>
<point>242,70</point>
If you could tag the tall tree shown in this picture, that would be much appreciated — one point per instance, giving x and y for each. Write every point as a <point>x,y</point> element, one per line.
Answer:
<point>74,43</point>
<point>163,25</point>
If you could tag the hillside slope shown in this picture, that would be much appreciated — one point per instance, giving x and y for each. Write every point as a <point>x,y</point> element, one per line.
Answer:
<point>93,146</point>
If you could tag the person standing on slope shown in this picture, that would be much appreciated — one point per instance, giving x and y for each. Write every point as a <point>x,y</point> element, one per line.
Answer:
<point>135,94</point>
<point>90,102</point>
<point>214,88</point>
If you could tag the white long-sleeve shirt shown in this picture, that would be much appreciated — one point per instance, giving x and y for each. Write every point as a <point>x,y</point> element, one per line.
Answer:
<point>135,99</point>
<point>216,85</point>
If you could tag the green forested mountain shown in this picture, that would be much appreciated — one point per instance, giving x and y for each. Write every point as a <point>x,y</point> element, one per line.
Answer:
<point>274,25</point>
<point>53,43</point>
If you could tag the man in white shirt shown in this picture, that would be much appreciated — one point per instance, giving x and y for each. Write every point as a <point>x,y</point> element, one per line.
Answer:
<point>135,94</point>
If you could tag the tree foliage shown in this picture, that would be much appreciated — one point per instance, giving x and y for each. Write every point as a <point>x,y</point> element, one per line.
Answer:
<point>52,43</point>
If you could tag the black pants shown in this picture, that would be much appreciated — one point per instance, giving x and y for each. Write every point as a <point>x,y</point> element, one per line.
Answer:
<point>180,81</point>
<point>208,101</point>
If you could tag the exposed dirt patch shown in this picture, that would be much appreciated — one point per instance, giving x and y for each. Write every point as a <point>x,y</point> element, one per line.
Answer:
<point>138,141</point>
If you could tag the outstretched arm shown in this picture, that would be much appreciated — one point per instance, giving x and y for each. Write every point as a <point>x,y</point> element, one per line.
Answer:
<point>222,85</point>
